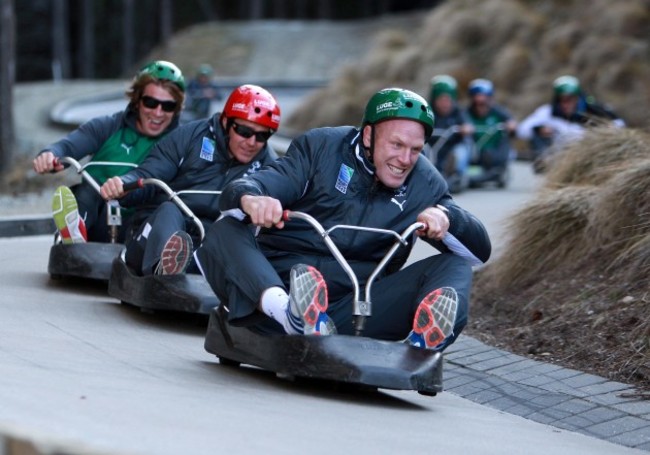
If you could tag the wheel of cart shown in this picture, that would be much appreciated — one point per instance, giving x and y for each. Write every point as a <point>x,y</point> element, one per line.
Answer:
<point>489,166</point>
<point>90,260</point>
<point>186,292</point>
<point>354,360</point>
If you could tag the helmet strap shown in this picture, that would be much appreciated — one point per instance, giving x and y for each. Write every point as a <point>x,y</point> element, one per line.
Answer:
<point>370,150</point>
<point>226,133</point>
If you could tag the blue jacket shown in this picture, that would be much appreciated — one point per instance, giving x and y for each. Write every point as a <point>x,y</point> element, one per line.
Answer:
<point>325,173</point>
<point>192,157</point>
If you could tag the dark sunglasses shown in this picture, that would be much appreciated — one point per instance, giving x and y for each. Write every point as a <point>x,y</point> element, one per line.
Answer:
<point>246,132</point>
<point>152,103</point>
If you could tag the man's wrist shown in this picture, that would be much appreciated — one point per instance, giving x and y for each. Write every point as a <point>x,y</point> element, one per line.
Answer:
<point>444,210</point>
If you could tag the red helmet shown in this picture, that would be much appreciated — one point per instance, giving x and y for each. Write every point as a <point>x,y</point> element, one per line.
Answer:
<point>255,104</point>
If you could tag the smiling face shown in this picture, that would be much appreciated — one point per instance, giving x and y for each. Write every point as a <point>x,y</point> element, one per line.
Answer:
<point>153,122</point>
<point>241,148</point>
<point>397,146</point>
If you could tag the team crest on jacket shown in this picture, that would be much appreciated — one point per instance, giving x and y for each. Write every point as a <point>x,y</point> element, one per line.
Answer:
<point>399,193</point>
<point>255,166</point>
<point>343,179</point>
<point>207,149</point>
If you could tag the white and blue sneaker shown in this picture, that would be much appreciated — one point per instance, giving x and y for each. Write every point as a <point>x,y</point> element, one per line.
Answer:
<point>307,307</point>
<point>434,319</point>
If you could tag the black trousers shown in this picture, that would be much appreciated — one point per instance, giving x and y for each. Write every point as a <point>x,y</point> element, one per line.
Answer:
<point>94,211</point>
<point>144,248</point>
<point>239,272</point>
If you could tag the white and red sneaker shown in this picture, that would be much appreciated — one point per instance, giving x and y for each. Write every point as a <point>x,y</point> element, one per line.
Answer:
<point>176,254</point>
<point>308,302</point>
<point>434,319</point>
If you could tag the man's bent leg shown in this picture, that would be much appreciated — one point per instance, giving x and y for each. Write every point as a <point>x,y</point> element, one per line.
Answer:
<point>91,206</point>
<point>144,249</point>
<point>395,298</point>
<point>236,269</point>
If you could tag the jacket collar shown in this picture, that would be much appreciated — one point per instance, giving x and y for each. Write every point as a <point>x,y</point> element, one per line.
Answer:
<point>359,152</point>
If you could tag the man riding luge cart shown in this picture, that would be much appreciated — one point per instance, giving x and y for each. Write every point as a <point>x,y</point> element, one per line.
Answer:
<point>188,293</point>
<point>114,144</point>
<point>90,259</point>
<point>196,161</point>
<point>286,282</point>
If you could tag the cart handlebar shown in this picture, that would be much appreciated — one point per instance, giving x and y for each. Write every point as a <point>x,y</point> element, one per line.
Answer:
<point>173,196</point>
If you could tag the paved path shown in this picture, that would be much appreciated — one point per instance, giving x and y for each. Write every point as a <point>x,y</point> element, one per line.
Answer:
<point>79,368</point>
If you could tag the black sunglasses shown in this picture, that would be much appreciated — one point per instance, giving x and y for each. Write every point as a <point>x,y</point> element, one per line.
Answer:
<point>246,132</point>
<point>152,103</point>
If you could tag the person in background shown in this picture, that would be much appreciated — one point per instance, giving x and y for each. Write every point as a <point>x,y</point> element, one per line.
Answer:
<point>285,280</point>
<point>203,155</point>
<point>452,129</point>
<point>493,127</point>
<point>562,120</point>
<point>156,98</point>
<point>202,92</point>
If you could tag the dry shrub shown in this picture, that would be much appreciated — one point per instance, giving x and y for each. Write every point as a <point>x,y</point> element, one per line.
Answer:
<point>621,205</point>
<point>596,216</point>
<point>545,235</point>
<point>339,104</point>
<point>227,53</point>
<point>621,18</point>
<point>444,30</point>
<point>633,262</point>
<point>404,65</point>
<point>597,156</point>
<point>594,52</point>
<point>390,43</point>
<point>343,101</point>
<point>620,222</point>
<point>514,59</point>
<point>579,256</point>
<point>522,46</point>
<point>557,47</point>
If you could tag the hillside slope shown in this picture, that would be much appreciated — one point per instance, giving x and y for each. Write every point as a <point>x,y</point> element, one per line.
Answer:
<point>573,285</point>
<point>522,46</point>
<point>279,49</point>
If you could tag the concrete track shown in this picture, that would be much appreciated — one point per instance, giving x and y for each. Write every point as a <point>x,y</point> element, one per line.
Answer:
<point>81,369</point>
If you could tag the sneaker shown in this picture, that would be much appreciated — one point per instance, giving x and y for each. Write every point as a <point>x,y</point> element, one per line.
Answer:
<point>434,319</point>
<point>308,302</point>
<point>176,254</point>
<point>65,212</point>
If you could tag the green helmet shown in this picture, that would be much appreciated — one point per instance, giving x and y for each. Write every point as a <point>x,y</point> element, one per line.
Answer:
<point>566,85</point>
<point>206,69</point>
<point>161,69</point>
<point>443,85</point>
<point>398,103</point>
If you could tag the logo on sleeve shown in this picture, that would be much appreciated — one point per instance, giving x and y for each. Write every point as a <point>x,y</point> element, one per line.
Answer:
<point>207,149</point>
<point>343,179</point>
